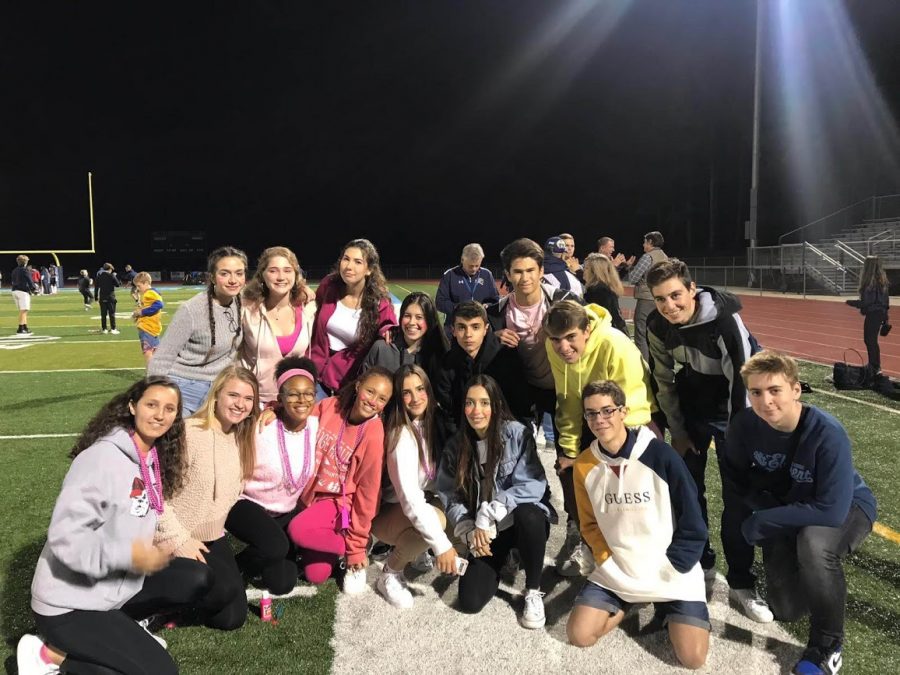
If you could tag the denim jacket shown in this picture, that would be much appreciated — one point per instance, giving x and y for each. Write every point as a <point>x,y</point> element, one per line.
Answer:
<point>520,479</point>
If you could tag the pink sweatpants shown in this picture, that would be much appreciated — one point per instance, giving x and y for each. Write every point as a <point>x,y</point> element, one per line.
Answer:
<point>316,534</point>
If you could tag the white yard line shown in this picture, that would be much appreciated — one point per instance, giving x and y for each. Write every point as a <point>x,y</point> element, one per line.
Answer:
<point>65,370</point>
<point>27,436</point>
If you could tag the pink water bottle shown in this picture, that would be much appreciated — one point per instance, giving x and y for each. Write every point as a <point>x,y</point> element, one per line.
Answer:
<point>265,607</point>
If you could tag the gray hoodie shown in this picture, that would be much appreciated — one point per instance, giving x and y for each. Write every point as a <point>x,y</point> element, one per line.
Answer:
<point>86,562</point>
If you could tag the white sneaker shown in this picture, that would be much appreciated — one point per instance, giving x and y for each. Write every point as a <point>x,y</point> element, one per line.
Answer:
<point>394,589</point>
<point>423,563</point>
<point>145,624</point>
<point>355,581</point>
<point>104,331</point>
<point>752,606</point>
<point>87,308</point>
<point>533,616</point>
<point>114,331</point>
<point>28,657</point>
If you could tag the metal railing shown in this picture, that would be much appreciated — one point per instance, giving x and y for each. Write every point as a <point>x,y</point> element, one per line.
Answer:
<point>874,208</point>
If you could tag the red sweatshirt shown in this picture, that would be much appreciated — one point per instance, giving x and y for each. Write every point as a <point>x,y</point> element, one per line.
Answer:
<point>362,480</point>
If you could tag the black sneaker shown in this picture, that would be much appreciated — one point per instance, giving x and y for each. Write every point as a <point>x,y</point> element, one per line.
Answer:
<point>817,661</point>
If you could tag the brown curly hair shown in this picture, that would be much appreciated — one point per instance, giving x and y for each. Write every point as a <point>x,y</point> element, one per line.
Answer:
<point>374,291</point>
<point>256,290</point>
<point>116,414</point>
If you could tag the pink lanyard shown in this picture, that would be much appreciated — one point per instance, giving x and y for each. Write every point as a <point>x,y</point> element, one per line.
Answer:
<point>306,471</point>
<point>154,492</point>
<point>345,510</point>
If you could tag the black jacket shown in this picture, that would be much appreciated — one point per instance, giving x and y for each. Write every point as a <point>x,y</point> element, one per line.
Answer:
<point>105,286</point>
<point>601,294</point>
<point>20,280</point>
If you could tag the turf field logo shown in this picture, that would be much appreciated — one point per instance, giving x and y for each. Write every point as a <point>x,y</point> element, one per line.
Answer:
<point>23,341</point>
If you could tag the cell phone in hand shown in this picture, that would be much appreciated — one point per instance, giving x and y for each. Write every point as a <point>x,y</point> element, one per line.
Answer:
<point>461,565</point>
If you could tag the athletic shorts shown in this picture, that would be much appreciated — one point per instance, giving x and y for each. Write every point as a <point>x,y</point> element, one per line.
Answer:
<point>690,612</point>
<point>149,343</point>
<point>22,300</point>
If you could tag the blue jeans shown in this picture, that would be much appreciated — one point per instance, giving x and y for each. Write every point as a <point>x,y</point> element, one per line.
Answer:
<point>193,393</point>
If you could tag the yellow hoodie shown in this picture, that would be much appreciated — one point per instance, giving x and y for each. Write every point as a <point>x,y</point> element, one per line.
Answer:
<point>608,355</point>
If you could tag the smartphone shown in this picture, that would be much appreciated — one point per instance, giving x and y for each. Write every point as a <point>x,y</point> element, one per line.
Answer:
<point>461,565</point>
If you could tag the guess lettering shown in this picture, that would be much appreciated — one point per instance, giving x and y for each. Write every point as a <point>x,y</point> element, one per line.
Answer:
<point>627,497</point>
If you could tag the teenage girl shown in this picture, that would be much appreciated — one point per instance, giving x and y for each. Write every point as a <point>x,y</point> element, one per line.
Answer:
<point>411,517</point>
<point>99,571</point>
<point>354,309</point>
<point>277,317</point>
<point>419,338</point>
<point>341,499</point>
<point>205,332</point>
<point>602,286</point>
<point>285,454</point>
<point>873,303</point>
<point>220,456</point>
<point>491,483</point>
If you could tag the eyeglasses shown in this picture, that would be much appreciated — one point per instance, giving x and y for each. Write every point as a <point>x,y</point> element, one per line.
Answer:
<point>294,396</point>
<point>605,413</point>
<point>232,324</point>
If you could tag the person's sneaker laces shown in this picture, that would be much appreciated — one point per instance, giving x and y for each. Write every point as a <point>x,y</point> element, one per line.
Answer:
<point>28,657</point>
<point>355,581</point>
<point>392,587</point>
<point>819,662</point>
<point>145,624</point>
<point>423,563</point>
<point>533,616</point>
<point>752,605</point>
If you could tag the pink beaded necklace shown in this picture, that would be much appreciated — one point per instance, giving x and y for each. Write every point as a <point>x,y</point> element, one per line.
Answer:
<point>306,471</point>
<point>154,492</point>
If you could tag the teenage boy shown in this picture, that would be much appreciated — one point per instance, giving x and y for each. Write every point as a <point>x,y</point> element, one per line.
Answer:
<point>147,315</point>
<point>23,287</point>
<point>803,503</point>
<point>517,321</point>
<point>699,333</point>
<point>639,515</point>
<point>556,271</point>
<point>637,276</point>
<point>582,346</point>
<point>475,351</point>
<point>467,281</point>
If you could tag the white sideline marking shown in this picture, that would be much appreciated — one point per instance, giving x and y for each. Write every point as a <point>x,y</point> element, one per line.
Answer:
<point>296,592</point>
<point>16,438</point>
<point>65,370</point>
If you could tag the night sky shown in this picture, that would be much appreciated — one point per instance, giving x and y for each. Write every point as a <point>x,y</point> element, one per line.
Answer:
<point>421,125</point>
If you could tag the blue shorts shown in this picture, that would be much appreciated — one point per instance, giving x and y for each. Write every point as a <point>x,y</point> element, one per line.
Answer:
<point>690,612</point>
<point>149,343</point>
<point>193,393</point>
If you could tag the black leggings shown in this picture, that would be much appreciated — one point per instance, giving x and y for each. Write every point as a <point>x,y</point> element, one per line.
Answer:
<point>108,308</point>
<point>871,326</point>
<point>87,297</point>
<point>225,605</point>
<point>269,553</point>
<point>528,533</point>
<point>111,642</point>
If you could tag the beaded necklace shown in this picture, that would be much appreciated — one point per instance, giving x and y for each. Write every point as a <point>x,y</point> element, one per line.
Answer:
<point>306,471</point>
<point>154,492</point>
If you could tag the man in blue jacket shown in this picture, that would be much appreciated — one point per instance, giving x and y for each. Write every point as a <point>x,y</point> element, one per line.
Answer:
<point>804,503</point>
<point>467,281</point>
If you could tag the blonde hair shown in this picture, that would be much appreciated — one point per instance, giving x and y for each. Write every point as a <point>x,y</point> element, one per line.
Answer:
<point>245,431</point>
<point>22,260</point>
<point>143,278</point>
<point>770,362</point>
<point>599,268</point>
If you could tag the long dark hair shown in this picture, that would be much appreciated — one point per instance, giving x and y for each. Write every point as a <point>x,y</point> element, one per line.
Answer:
<point>399,419</point>
<point>347,395</point>
<point>467,461</point>
<point>873,274</point>
<point>434,343</point>
<point>374,291</point>
<point>212,264</point>
<point>116,414</point>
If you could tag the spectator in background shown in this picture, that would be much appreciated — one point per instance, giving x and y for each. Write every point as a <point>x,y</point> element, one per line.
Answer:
<point>23,287</point>
<point>873,304</point>
<point>128,280</point>
<point>147,315</point>
<point>105,293</point>
<point>467,281</point>
<point>84,287</point>
<point>572,262</point>
<point>54,279</point>
<point>637,277</point>
<point>603,287</point>
<point>607,246</point>
<point>556,272</point>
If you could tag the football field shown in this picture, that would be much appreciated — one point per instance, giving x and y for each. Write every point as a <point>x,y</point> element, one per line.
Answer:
<point>54,381</point>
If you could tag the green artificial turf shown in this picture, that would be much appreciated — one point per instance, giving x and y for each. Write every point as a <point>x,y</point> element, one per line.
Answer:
<point>61,403</point>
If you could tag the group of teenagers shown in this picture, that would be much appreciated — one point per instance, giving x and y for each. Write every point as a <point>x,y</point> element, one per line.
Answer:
<point>310,425</point>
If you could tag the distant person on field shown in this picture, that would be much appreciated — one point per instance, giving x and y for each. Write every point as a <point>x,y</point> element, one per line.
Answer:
<point>699,343</point>
<point>45,281</point>
<point>467,281</point>
<point>54,279</point>
<point>637,277</point>
<point>873,304</point>
<point>128,280</point>
<point>639,515</point>
<point>105,293</point>
<point>603,287</point>
<point>205,333</point>
<point>22,287</point>
<point>84,287</point>
<point>556,272</point>
<point>148,315</point>
<point>803,503</point>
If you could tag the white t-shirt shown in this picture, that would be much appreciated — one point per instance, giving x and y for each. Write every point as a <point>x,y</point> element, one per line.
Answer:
<point>526,323</point>
<point>341,327</point>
